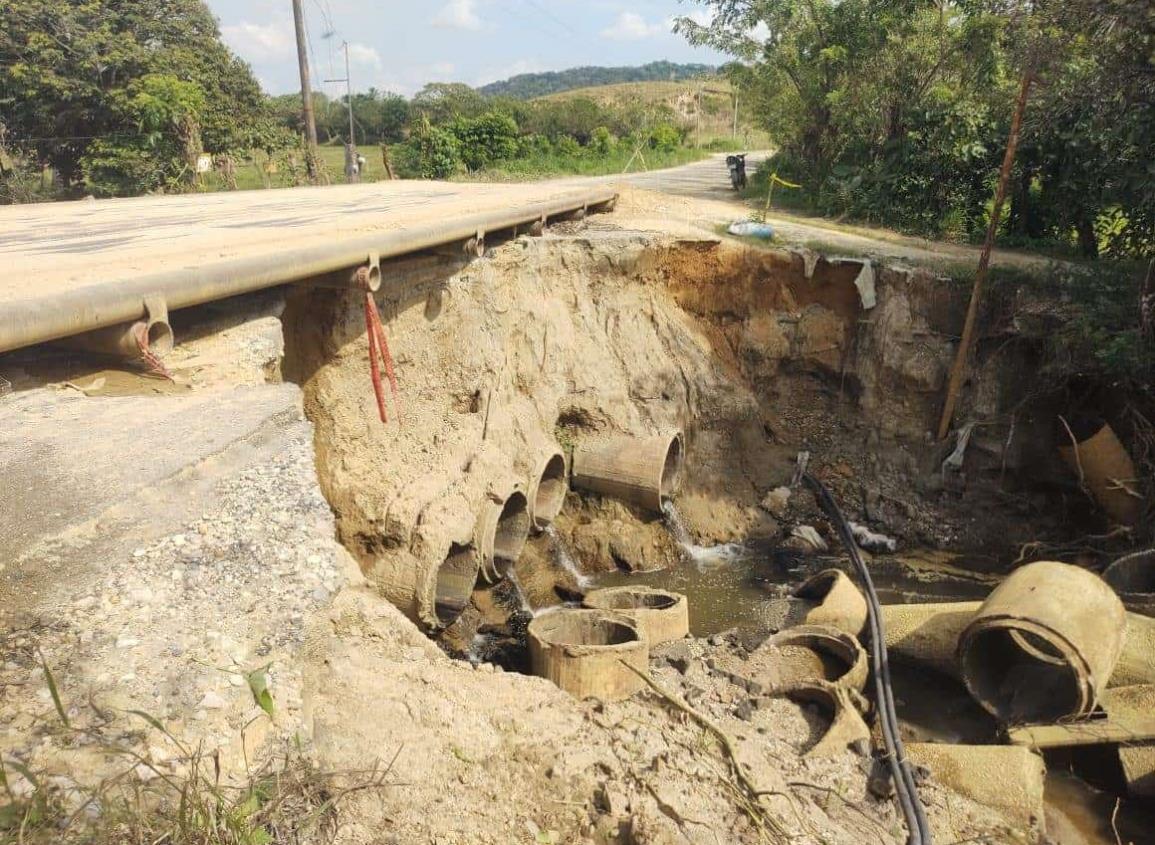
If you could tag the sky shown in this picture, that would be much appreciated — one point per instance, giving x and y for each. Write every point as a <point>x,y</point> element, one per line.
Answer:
<point>401,46</point>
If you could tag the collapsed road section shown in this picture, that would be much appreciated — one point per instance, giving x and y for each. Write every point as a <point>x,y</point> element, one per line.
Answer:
<point>591,457</point>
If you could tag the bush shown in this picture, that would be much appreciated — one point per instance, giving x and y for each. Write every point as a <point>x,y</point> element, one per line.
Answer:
<point>483,140</point>
<point>432,153</point>
<point>602,142</point>
<point>665,137</point>
<point>567,146</point>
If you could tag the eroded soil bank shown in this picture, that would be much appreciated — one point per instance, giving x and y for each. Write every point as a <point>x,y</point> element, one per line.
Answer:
<point>546,343</point>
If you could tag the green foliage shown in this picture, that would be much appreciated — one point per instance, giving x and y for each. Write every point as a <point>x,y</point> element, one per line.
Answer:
<point>899,113</point>
<point>602,142</point>
<point>166,113</point>
<point>67,70</point>
<point>430,153</point>
<point>665,137</point>
<point>486,139</point>
<point>526,86</point>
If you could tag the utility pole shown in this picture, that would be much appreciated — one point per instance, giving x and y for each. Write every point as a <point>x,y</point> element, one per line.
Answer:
<point>306,92</point>
<point>352,172</point>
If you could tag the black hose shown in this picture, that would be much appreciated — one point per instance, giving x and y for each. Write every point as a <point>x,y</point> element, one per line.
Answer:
<point>904,785</point>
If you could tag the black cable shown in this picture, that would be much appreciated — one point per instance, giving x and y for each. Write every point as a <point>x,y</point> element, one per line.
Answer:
<point>904,786</point>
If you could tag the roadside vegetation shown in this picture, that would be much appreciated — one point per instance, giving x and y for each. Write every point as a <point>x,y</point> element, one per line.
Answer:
<point>898,114</point>
<point>115,99</point>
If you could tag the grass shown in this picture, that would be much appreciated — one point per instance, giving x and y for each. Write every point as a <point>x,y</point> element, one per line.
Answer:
<point>286,801</point>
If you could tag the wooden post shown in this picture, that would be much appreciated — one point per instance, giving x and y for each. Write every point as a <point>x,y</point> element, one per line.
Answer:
<point>958,370</point>
<point>306,92</point>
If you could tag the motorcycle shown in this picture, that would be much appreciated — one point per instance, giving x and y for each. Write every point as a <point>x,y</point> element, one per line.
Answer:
<point>737,165</point>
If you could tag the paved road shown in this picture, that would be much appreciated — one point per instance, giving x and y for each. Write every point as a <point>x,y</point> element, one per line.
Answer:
<point>708,179</point>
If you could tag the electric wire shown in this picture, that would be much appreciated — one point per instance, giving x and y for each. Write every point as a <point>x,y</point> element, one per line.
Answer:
<point>904,786</point>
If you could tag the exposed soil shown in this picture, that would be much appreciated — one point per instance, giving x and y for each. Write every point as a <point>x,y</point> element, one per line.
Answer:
<point>595,329</point>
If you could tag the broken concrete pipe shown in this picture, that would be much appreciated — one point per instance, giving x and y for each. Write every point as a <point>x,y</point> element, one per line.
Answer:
<point>582,651</point>
<point>547,488</point>
<point>1133,577</point>
<point>847,727</point>
<point>644,471</point>
<point>809,653</point>
<point>1137,756</point>
<point>127,341</point>
<point>1043,644</point>
<point>1103,466</point>
<point>501,532</point>
<point>928,634</point>
<point>831,598</point>
<point>1007,778</point>
<point>661,616</point>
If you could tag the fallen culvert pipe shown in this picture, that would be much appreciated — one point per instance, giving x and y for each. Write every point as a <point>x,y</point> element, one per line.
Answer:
<point>582,651</point>
<point>1137,756</point>
<point>1007,778</point>
<point>501,533</point>
<point>453,584</point>
<point>129,341</point>
<point>928,634</point>
<point>547,488</point>
<point>1133,578</point>
<point>1103,466</point>
<point>809,653</point>
<point>1043,644</point>
<point>660,615</point>
<point>831,598</point>
<point>644,471</point>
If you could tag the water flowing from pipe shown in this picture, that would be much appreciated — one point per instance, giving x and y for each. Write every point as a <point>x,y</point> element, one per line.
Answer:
<point>563,558</point>
<point>526,607</point>
<point>703,556</point>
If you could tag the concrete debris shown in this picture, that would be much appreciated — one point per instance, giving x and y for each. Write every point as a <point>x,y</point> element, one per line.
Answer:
<point>872,541</point>
<point>809,537</point>
<point>777,501</point>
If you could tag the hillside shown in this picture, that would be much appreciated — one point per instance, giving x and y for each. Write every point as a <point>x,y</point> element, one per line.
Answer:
<point>527,86</point>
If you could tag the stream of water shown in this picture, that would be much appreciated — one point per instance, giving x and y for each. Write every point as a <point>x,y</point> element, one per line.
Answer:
<point>564,559</point>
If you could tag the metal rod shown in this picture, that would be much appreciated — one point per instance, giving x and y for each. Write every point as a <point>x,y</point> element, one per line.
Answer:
<point>110,301</point>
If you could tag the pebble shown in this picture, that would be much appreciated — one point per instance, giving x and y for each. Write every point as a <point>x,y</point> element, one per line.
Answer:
<point>213,701</point>
<point>127,642</point>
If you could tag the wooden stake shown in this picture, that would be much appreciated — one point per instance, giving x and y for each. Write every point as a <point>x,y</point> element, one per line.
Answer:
<point>958,370</point>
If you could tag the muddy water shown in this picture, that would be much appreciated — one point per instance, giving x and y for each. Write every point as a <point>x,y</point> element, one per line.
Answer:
<point>744,586</point>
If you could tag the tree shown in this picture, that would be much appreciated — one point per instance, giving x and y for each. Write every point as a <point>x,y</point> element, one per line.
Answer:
<point>442,102</point>
<point>67,66</point>
<point>483,140</point>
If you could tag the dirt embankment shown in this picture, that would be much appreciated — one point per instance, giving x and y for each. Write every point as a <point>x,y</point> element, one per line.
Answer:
<point>545,343</point>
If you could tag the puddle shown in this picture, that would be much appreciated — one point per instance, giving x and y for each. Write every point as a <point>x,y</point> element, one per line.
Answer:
<point>743,586</point>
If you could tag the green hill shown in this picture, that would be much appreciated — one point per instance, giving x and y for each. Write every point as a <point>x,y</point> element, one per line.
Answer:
<point>526,86</point>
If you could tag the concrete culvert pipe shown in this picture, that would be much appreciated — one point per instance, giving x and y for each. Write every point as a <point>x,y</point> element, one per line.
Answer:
<point>809,653</point>
<point>1103,465</point>
<point>833,599</point>
<point>454,583</point>
<point>847,727</point>
<point>547,489</point>
<point>1043,645</point>
<point>501,533</point>
<point>582,652</point>
<point>644,471</point>
<point>660,615</point>
<point>1133,577</point>
<point>125,341</point>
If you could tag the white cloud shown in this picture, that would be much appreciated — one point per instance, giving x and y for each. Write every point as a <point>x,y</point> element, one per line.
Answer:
<point>361,54</point>
<point>458,14</point>
<point>258,42</point>
<point>630,26</point>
